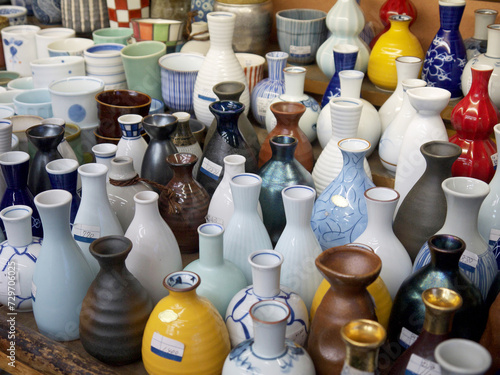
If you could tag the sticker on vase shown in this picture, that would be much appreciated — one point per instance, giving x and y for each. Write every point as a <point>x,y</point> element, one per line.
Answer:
<point>349,370</point>
<point>86,233</point>
<point>166,347</point>
<point>494,160</point>
<point>262,105</point>
<point>300,51</point>
<point>420,366</point>
<point>407,338</point>
<point>468,261</point>
<point>211,169</point>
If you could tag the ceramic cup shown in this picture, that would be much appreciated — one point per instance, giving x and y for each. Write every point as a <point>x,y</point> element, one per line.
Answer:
<point>19,47</point>
<point>7,97</point>
<point>44,71</point>
<point>461,356</point>
<point>20,123</point>
<point>6,111</point>
<point>35,102</point>
<point>46,36</point>
<point>17,15</point>
<point>120,35</point>
<point>104,61</point>
<point>22,84</point>
<point>300,33</point>
<point>121,12</point>
<point>69,47</point>
<point>85,16</point>
<point>253,66</point>
<point>142,71</point>
<point>161,30</point>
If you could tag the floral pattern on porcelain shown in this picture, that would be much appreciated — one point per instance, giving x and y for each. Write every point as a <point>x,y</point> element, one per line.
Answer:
<point>12,49</point>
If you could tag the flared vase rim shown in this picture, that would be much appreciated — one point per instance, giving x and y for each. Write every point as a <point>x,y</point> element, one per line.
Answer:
<point>62,166</point>
<point>268,302</point>
<point>124,243</point>
<point>376,333</point>
<point>185,274</point>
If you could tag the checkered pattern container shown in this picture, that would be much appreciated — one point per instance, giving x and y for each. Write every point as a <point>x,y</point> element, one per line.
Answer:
<point>131,130</point>
<point>122,11</point>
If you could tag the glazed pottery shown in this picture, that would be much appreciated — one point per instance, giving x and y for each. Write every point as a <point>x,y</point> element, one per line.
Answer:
<point>199,39</point>
<point>155,251</point>
<point>474,118</point>
<point>121,35</point>
<point>116,308</point>
<point>392,7</point>
<point>31,101</point>
<point>21,83</point>
<point>18,254</point>
<point>69,47</point>
<point>64,148</point>
<point>104,153</point>
<point>120,14</point>
<point>269,351</point>
<point>266,266</point>
<point>160,128</point>
<point>446,57</point>
<point>46,36</point>
<point>17,12</point>
<point>84,18</point>
<point>347,299</point>
<point>6,139</point>
<point>477,44</point>
<point>19,47</point>
<point>95,217</point>
<point>389,146</point>
<point>407,67</point>
<point>170,9</point>
<point>407,315</point>
<point>440,307</point>
<point>220,278</point>
<point>202,8</point>
<point>245,232</point>
<point>184,202</point>
<point>277,173</point>
<point>167,31</point>
<point>397,41</point>
<point>132,143</point>
<point>253,67</point>
<point>103,61</point>
<point>460,356</point>
<point>220,65</point>
<point>464,197</point>
<point>298,244</point>
<point>488,339</point>
<point>423,211</point>
<point>184,139</point>
<point>288,115</point>
<point>64,285</point>
<point>294,92</point>
<point>184,333</point>
<point>49,69</point>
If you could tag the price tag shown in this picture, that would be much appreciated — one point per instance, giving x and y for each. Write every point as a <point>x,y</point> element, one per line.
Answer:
<point>468,261</point>
<point>494,160</point>
<point>211,169</point>
<point>33,290</point>
<point>262,105</point>
<point>300,51</point>
<point>86,233</point>
<point>299,336</point>
<point>167,348</point>
<point>421,366</point>
<point>407,338</point>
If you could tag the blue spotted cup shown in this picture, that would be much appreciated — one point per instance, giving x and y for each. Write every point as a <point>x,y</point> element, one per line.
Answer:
<point>50,69</point>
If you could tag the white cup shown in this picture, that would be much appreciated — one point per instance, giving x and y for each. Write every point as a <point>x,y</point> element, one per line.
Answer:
<point>51,69</point>
<point>46,36</point>
<point>19,46</point>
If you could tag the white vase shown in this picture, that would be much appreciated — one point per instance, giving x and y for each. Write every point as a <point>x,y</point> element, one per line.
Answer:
<point>345,115</point>
<point>425,126</point>
<point>132,143</point>
<point>62,275</point>
<point>407,67</point>
<point>298,244</point>
<point>220,65</point>
<point>390,142</point>
<point>245,232</point>
<point>18,255</point>
<point>396,263</point>
<point>95,217</point>
<point>269,351</point>
<point>199,39</point>
<point>369,123</point>
<point>155,251</point>
<point>462,357</point>
<point>64,147</point>
<point>104,153</point>
<point>345,21</point>
<point>266,266</point>
<point>476,44</point>
<point>294,92</point>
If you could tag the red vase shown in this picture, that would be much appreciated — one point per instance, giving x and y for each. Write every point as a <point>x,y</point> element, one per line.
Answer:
<point>392,7</point>
<point>474,118</point>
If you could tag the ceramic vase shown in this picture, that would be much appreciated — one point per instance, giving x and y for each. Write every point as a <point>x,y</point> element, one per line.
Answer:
<point>155,251</point>
<point>95,217</point>
<point>339,215</point>
<point>347,299</point>
<point>392,7</point>
<point>397,41</point>
<point>220,65</point>
<point>345,20</point>
<point>184,333</point>
<point>131,142</point>
<point>116,307</point>
<point>269,351</point>
<point>45,138</point>
<point>220,278</point>
<point>423,211</point>
<point>184,202</point>
<point>245,232</point>
<point>464,197</point>
<point>269,88</point>
<point>18,255</point>
<point>298,244</point>
<point>266,285</point>
<point>104,153</point>
<point>65,285</point>
<point>294,92</point>
<point>226,140</point>
<point>474,118</point>
<point>407,67</point>
<point>477,44</point>
<point>5,146</point>
<point>15,167</point>
<point>389,146</point>
<point>425,126</point>
<point>456,355</point>
<point>488,339</point>
<point>446,57</point>
<point>184,139</point>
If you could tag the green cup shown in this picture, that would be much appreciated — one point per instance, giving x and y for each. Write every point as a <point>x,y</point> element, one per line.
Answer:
<point>142,71</point>
<point>120,35</point>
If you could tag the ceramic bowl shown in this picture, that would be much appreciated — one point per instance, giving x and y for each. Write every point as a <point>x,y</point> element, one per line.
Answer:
<point>34,102</point>
<point>253,66</point>
<point>6,111</point>
<point>44,37</point>
<point>106,54</point>
<point>429,98</point>
<point>45,71</point>
<point>22,83</point>
<point>105,70</point>
<point>157,106</point>
<point>20,123</point>
<point>69,47</point>
<point>162,30</point>
<point>7,76</point>
<point>300,33</point>
<point>112,81</point>
<point>7,97</point>
<point>17,15</point>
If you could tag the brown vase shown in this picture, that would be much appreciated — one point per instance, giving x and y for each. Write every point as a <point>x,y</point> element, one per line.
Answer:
<point>288,115</point>
<point>491,339</point>
<point>184,202</point>
<point>349,270</point>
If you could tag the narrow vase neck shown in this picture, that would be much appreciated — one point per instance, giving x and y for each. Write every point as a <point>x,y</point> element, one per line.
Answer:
<point>16,176</point>
<point>211,250</point>
<point>298,212</point>
<point>148,210</point>
<point>276,66</point>
<point>344,61</point>
<point>19,233</point>
<point>221,29</point>
<point>55,222</point>
<point>462,213</point>
<point>184,131</point>
<point>361,359</point>
<point>283,151</point>
<point>232,169</point>
<point>380,214</point>
<point>183,172</point>
<point>479,86</point>
<point>294,85</point>
<point>94,190</point>
<point>246,198</point>
<point>483,18</point>
<point>350,87</point>
<point>269,339</point>
<point>345,122</point>
<point>67,181</point>
<point>450,16</point>
<point>227,127</point>
<point>266,281</point>
<point>399,27</point>
<point>493,48</point>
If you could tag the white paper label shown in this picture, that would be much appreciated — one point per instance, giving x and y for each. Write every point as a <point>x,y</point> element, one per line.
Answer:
<point>469,260</point>
<point>167,348</point>
<point>86,233</point>
<point>494,234</point>
<point>494,159</point>
<point>407,337</point>
<point>299,336</point>
<point>211,169</point>
<point>300,50</point>
<point>33,290</point>
<point>420,366</point>
<point>262,105</point>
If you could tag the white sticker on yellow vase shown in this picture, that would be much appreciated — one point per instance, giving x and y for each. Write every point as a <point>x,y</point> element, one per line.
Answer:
<point>167,348</point>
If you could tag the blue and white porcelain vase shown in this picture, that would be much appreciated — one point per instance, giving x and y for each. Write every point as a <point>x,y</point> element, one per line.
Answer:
<point>269,352</point>
<point>339,214</point>
<point>266,285</point>
<point>202,8</point>
<point>476,44</point>
<point>132,143</point>
<point>47,12</point>
<point>18,255</point>
<point>446,57</point>
<point>464,197</point>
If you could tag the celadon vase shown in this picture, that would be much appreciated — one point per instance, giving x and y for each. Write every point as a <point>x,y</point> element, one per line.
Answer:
<point>62,275</point>
<point>220,278</point>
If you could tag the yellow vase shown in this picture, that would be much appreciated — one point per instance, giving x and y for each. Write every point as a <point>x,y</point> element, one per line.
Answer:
<point>379,292</point>
<point>185,334</point>
<point>397,41</point>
